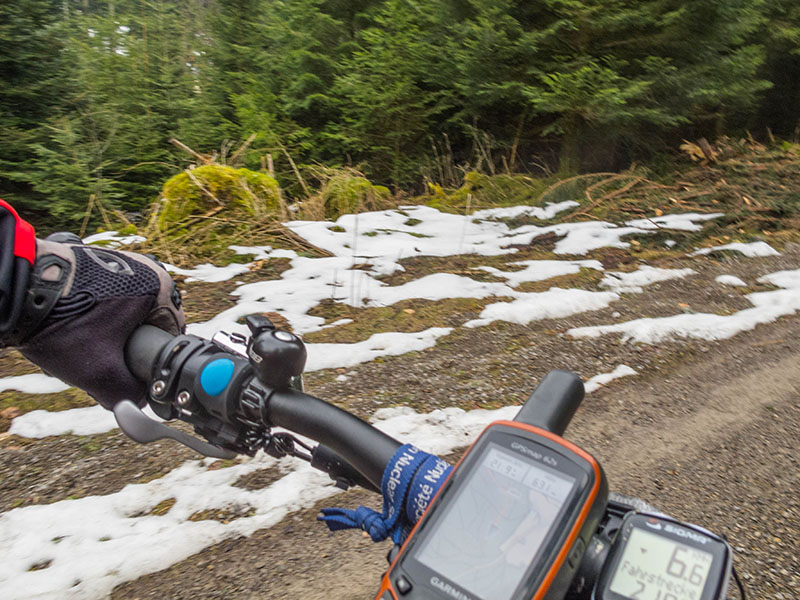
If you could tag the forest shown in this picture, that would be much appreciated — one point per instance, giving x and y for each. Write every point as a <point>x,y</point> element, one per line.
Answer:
<point>411,94</point>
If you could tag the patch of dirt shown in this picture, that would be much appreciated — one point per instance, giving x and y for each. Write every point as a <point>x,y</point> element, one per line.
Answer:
<point>467,265</point>
<point>56,468</point>
<point>202,301</point>
<point>405,316</point>
<point>223,515</point>
<point>15,364</point>
<point>258,480</point>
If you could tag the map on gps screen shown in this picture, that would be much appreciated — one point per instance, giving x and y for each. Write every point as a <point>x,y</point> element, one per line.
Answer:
<point>496,524</point>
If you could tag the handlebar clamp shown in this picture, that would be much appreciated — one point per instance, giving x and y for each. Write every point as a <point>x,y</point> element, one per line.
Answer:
<point>224,395</point>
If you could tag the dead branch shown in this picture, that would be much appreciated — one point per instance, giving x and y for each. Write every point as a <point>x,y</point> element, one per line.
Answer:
<point>242,148</point>
<point>587,209</point>
<point>599,184</point>
<point>88,214</point>
<point>202,188</point>
<point>708,151</point>
<point>203,159</point>
<point>191,221</point>
<point>558,184</point>
<point>296,172</point>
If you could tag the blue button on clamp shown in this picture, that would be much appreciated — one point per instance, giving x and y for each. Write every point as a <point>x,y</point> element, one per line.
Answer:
<point>216,376</point>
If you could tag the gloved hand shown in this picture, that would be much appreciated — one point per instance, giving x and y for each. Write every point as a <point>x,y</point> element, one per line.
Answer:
<point>82,304</point>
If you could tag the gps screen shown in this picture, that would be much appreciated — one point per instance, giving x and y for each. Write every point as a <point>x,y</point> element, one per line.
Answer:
<point>496,524</point>
<point>655,567</point>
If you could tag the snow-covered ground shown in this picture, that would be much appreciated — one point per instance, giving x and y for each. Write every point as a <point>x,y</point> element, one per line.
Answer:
<point>92,544</point>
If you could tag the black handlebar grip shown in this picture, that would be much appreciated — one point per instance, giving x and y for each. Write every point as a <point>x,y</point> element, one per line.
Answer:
<point>367,449</point>
<point>325,459</point>
<point>143,349</point>
<point>358,443</point>
<point>553,403</point>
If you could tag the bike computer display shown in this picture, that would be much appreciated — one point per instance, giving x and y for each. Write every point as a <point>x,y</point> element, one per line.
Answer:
<point>513,521</point>
<point>657,558</point>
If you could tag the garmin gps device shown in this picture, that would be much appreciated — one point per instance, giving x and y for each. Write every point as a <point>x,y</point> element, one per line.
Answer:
<point>512,522</point>
<point>657,558</point>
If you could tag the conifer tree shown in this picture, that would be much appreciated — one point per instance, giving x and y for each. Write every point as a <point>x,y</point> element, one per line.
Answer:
<point>780,33</point>
<point>33,79</point>
<point>392,91</point>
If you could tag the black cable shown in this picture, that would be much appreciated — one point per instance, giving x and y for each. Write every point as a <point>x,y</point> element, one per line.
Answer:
<point>739,583</point>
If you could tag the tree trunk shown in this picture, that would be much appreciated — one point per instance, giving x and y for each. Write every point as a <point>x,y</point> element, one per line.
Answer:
<point>570,155</point>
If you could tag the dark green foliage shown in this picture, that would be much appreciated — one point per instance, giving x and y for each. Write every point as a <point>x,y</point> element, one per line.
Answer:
<point>780,34</point>
<point>403,90</point>
<point>32,79</point>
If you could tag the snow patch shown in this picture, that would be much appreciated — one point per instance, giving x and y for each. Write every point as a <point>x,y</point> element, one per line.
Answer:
<point>90,420</point>
<point>208,272</point>
<point>113,239</point>
<point>549,211</point>
<point>681,222</point>
<point>95,543</point>
<point>730,280</point>
<point>556,303</point>
<point>767,307</point>
<point>602,379</point>
<point>634,282</point>
<point>35,383</point>
<point>540,270</point>
<point>380,240</point>
<point>329,356</point>
<point>751,250</point>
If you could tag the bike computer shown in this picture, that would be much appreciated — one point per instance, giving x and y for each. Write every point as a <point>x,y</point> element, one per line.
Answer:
<point>657,558</point>
<point>512,521</point>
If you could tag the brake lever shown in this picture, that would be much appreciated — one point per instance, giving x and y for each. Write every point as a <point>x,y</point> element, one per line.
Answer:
<point>144,430</point>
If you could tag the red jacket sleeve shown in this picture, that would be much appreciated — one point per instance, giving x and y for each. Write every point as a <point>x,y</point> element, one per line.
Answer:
<point>24,236</point>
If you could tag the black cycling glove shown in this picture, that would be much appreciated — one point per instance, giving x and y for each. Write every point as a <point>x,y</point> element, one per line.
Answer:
<point>81,305</point>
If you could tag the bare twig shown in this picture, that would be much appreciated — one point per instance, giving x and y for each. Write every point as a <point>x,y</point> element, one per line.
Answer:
<point>296,172</point>
<point>558,184</point>
<point>204,159</point>
<point>192,220</point>
<point>242,148</point>
<point>202,187</point>
<point>88,214</point>
<point>587,209</point>
<point>150,162</point>
<point>512,159</point>
<point>104,214</point>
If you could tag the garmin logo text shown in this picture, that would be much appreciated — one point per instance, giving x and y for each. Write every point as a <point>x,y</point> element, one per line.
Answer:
<point>533,454</point>
<point>449,589</point>
<point>686,534</point>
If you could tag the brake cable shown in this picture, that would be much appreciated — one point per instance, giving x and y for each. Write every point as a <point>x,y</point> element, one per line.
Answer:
<point>285,444</point>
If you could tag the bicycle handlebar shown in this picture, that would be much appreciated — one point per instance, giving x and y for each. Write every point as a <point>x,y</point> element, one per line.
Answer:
<point>366,448</point>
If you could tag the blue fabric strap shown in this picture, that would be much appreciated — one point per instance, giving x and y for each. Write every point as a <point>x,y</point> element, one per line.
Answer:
<point>410,481</point>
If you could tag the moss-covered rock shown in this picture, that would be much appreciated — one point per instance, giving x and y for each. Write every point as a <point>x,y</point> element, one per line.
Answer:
<point>190,193</point>
<point>344,191</point>
<point>488,190</point>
